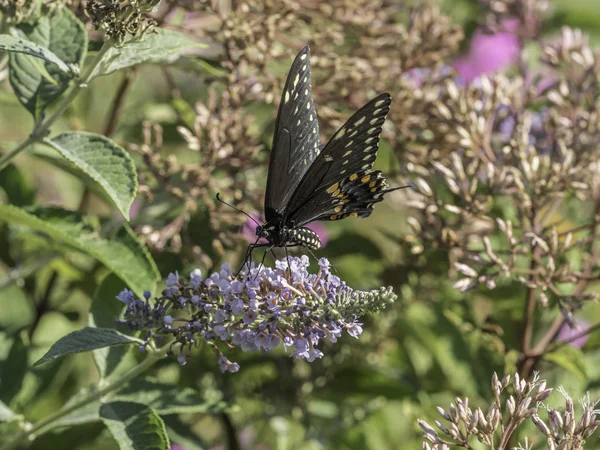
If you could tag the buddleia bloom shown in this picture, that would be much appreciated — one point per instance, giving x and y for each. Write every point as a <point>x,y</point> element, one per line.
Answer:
<point>259,310</point>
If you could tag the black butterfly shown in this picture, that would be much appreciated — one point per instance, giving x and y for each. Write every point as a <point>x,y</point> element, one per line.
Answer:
<point>308,181</point>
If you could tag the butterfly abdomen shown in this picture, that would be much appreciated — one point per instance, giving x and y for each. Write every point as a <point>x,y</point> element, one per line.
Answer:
<point>305,237</point>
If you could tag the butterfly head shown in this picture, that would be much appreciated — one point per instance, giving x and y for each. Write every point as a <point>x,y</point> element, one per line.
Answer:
<point>262,231</point>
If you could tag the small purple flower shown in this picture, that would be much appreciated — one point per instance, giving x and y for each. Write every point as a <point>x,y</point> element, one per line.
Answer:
<point>260,340</point>
<point>196,278</point>
<point>227,366</point>
<point>168,320</point>
<point>221,316</point>
<point>490,52</point>
<point>272,299</point>
<point>182,359</point>
<point>249,317</point>
<point>237,306</point>
<point>314,354</point>
<point>566,332</point>
<point>271,342</point>
<point>172,280</point>
<point>324,264</point>
<point>355,329</point>
<point>126,296</point>
<point>222,332</point>
<point>300,348</point>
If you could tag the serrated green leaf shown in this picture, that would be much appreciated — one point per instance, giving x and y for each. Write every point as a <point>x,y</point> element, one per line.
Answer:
<point>152,47</point>
<point>103,313</point>
<point>86,340</point>
<point>571,359</point>
<point>166,398</point>
<point>65,37</point>
<point>122,253</point>
<point>135,426</point>
<point>103,161</point>
<point>22,45</point>
<point>6,414</point>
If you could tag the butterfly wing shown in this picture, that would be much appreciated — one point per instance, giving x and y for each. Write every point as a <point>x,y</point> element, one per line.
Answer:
<point>296,138</point>
<point>340,182</point>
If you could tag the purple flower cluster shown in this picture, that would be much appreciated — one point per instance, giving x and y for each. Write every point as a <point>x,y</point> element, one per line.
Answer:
<point>257,311</point>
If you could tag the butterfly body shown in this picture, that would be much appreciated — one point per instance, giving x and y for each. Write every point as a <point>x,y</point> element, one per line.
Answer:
<point>280,235</point>
<point>308,181</point>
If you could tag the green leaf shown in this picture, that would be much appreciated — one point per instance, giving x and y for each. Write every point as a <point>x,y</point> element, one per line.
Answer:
<point>152,47</point>
<point>13,370</point>
<point>121,253</point>
<point>571,359</point>
<point>182,434</point>
<point>103,161</point>
<point>21,45</point>
<point>86,340</point>
<point>103,313</point>
<point>135,426</point>
<point>6,414</point>
<point>66,38</point>
<point>166,398</point>
<point>17,187</point>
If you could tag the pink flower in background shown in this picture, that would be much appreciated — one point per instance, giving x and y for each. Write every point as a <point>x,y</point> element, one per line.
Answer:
<point>249,231</point>
<point>490,52</point>
<point>177,447</point>
<point>566,333</point>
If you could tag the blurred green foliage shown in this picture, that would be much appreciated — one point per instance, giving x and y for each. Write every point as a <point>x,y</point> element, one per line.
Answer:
<point>432,346</point>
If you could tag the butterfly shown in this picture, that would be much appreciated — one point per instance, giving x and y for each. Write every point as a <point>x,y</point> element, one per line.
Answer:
<point>308,181</point>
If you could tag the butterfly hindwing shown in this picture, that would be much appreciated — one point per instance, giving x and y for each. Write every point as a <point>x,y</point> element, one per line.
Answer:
<point>340,183</point>
<point>296,138</point>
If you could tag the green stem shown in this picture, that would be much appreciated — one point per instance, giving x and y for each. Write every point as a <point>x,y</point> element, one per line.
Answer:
<point>44,425</point>
<point>41,128</point>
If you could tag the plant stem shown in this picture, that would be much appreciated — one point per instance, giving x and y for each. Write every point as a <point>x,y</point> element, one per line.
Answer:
<point>46,424</point>
<point>530,359</point>
<point>41,128</point>
<point>43,306</point>
<point>230,431</point>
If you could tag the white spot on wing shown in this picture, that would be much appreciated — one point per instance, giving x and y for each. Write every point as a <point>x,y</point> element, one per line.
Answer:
<point>287,97</point>
<point>359,121</point>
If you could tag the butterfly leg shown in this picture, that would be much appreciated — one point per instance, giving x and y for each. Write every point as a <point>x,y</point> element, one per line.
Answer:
<point>270,249</point>
<point>248,257</point>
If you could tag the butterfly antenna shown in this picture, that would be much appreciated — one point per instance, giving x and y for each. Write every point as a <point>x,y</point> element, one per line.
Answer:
<point>410,184</point>
<point>237,209</point>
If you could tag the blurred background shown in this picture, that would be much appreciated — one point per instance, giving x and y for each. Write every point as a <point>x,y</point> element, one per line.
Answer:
<point>203,123</point>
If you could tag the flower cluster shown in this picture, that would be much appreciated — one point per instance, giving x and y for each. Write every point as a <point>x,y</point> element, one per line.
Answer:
<point>507,167</point>
<point>16,11</point>
<point>495,427</point>
<point>257,311</point>
<point>119,18</point>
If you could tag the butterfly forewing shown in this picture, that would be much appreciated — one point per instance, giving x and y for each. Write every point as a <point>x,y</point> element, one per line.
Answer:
<point>339,183</point>
<point>296,138</point>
